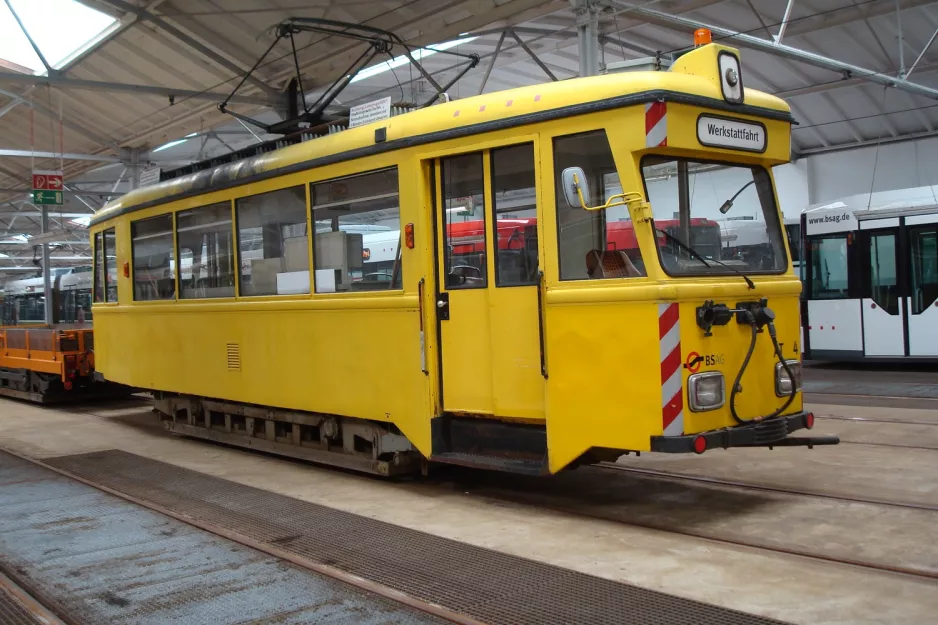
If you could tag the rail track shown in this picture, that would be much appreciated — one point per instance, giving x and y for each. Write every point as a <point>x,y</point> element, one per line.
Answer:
<point>690,530</point>
<point>895,445</point>
<point>766,487</point>
<point>902,570</point>
<point>871,420</point>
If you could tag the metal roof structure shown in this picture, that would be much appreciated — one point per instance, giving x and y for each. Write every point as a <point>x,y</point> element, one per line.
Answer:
<point>856,72</point>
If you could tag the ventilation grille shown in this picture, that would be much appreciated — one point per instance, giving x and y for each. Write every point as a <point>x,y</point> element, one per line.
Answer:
<point>234,357</point>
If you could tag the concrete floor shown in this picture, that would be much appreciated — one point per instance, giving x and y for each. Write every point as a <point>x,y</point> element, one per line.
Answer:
<point>510,516</point>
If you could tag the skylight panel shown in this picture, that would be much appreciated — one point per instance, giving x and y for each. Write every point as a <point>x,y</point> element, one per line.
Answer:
<point>60,28</point>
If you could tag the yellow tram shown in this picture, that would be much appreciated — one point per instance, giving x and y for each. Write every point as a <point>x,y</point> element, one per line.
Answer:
<point>525,281</point>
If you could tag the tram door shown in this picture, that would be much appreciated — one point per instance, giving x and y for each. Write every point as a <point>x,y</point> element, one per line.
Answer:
<point>882,303</point>
<point>922,304</point>
<point>488,281</point>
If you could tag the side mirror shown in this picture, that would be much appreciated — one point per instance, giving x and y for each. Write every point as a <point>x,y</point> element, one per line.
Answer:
<point>575,188</point>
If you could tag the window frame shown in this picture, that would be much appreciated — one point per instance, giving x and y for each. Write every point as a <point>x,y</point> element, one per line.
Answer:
<point>601,215</point>
<point>536,280</point>
<point>311,232</point>
<point>913,231</point>
<point>236,224</point>
<point>484,156</point>
<point>809,260</point>
<point>235,259</point>
<point>866,274</point>
<point>133,264</point>
<point>726,273</point>
<point>97,278</point>
<point>101,242</point>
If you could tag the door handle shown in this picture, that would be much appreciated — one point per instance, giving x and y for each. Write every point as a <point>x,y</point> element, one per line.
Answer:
<point>442,305</point>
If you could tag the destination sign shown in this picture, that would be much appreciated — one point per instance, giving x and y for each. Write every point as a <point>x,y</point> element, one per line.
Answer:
<point>730,133</point>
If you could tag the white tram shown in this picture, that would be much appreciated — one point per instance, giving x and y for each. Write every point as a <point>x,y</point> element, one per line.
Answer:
<point>871,277</point>
<point>24,300</point>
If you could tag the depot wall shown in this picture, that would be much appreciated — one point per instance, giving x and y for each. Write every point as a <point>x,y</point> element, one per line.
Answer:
<point>895,166</point>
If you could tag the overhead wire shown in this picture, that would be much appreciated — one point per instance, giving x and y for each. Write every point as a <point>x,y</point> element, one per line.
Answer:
<point>844,120</point>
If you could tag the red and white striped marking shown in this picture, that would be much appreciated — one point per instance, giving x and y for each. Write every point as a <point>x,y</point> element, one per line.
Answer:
<point>656,125</point>
<point>672,375</point>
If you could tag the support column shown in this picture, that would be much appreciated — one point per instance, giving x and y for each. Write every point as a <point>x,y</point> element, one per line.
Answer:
<point>132,163</point>
<point>46,269</point>
<point>587,34</point>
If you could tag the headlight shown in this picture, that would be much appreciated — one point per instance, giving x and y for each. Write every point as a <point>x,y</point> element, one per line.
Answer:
<point>783,382</point>
<point>705,391</point>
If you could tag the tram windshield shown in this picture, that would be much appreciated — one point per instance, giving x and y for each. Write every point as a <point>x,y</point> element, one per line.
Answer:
<point>719,219</point>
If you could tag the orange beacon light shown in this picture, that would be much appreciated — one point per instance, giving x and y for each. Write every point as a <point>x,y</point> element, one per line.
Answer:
<point>702,37</point>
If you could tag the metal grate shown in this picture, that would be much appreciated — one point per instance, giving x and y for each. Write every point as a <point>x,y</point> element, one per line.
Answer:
<point>234,356</point>
<point>490,586</point>
<point>96,558</point>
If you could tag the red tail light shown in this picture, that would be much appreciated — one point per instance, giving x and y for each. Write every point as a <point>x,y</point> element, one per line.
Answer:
<point>700,445</point>
<point>67,384</point>
<point>809,420</point>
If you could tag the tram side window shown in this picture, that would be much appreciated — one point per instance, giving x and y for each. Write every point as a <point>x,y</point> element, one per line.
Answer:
<point>206,252</point>
<point>924,246</point>
<point>829,268</point>
<point>884,279</point>
<point>99,267</point>
<point>29,308</point>
<point>592,244</point>
<point>273,245</point>
<point>357,246</point>
<point>514,201</point>
<point>105,266</point>
<point>465,233</point>
<point>110,252</point>
<point>75,306</point>
<point>794,241</point>
<point>152,251</point>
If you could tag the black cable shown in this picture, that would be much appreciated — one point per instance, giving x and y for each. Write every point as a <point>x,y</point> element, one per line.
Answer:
<point>391,67</point>
<point>924,107</point>
<point>742,370</point>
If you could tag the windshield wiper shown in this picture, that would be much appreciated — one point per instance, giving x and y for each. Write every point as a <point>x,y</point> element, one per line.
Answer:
<point>699,256</point>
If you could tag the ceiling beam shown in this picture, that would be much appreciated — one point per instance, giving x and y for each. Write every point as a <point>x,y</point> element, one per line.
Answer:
<point>96,85</point>
<point>39,214</point>
<point>679,23</point>
<point>191,42</point>
<point>848,15</point>
<point>67,156</point>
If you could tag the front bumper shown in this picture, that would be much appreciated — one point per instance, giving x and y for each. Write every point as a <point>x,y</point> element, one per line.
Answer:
<point>770,433</point>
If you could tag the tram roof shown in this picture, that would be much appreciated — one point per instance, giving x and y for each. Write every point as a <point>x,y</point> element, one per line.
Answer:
<point>687,82</point>
<point>907,201</point>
